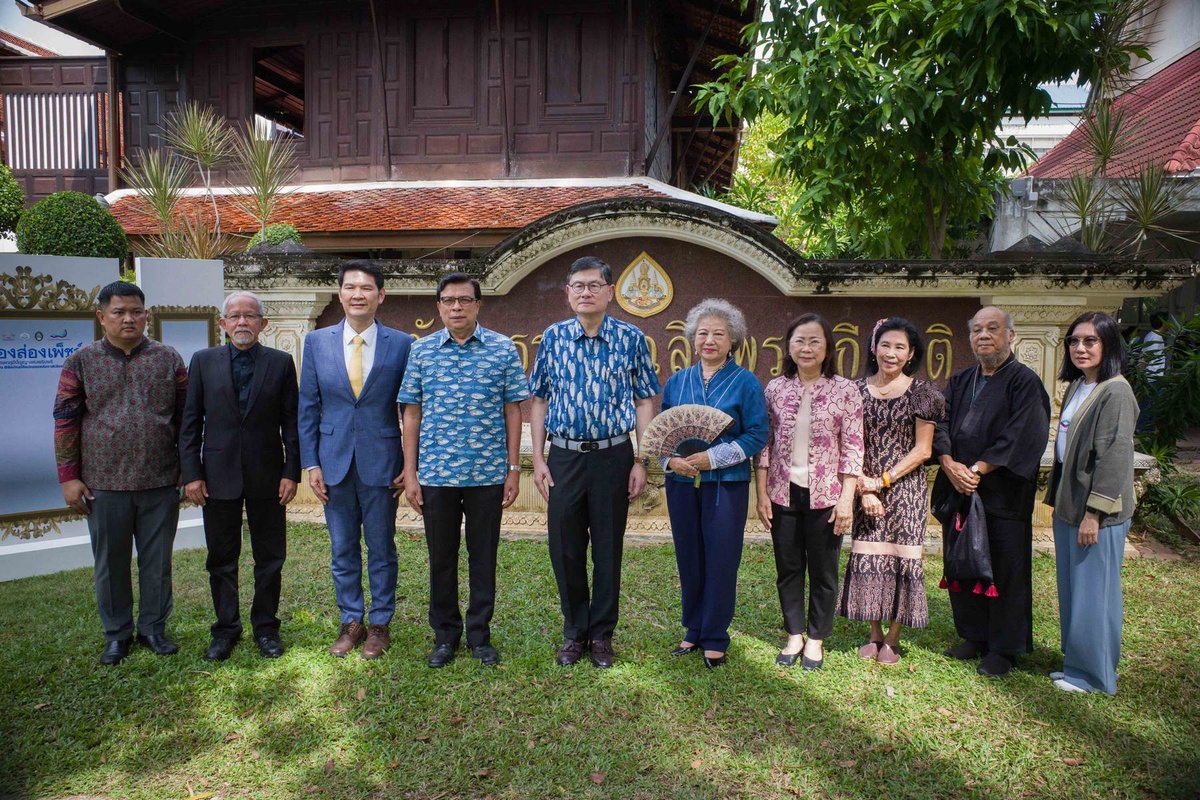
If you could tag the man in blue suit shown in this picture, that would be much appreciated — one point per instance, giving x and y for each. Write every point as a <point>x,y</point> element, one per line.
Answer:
<point>350,445</point>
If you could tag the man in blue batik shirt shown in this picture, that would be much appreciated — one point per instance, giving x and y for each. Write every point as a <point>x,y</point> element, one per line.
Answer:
<point>462,436</point>
<point>593,382</point>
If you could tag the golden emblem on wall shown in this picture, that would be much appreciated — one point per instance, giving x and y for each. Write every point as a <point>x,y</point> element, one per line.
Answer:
<point>644,289</point>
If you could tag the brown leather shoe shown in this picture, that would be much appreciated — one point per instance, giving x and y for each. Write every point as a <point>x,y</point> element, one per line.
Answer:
<point>378,640</point>
<point>570,653</point>
<point>602,653</point>
<point>350,637</point>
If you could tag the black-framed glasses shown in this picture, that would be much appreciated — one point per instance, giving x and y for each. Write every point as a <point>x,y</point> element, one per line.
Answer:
<point>451,302</point>
<point>593,287</point>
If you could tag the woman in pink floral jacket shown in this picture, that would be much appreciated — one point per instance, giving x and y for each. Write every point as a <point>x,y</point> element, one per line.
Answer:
<point>805,481</point>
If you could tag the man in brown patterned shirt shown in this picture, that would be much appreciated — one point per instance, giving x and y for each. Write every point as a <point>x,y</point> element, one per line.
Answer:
<point>116,424</point>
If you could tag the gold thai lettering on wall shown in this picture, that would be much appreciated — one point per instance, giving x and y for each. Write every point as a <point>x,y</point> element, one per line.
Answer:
<point>847,345</point>
<point>679,349</point>
<point>939,361</point>
<point>644,288</point>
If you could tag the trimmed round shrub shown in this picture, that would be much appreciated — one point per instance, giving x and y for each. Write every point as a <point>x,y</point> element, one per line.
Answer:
<point>70,224</point>
<point>12,201</point>
<point>277,233</point>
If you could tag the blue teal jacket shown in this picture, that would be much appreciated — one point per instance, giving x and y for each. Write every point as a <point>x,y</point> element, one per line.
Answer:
<point>736,391</point>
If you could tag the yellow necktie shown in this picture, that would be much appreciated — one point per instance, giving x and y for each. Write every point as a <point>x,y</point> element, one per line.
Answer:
<point>354,368</point>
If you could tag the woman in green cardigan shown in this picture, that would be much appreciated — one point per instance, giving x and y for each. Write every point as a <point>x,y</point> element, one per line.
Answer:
<point>1092,496</point>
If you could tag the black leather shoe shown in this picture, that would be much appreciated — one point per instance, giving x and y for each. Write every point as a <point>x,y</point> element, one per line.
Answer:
<point>810,664</point>
<point>570,652</point>
<point>487,655</point>
<point>220,649</point>
<point>442,655</point>
<point>115,652</point>
<point>269,646</point>
<point>965,651</point>
<point>994,665</point>
<point>786,659</point>
<point>159,644</point>
<point>683,651</point>
<point>713,663</point>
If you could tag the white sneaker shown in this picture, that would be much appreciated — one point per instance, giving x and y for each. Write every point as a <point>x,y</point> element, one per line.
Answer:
<point>1057,676</point>
<point>1068,687</point>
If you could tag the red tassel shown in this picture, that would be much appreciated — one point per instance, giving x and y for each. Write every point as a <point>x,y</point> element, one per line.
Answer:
<point>943,584</point>
<point>978,588</point>
<point>954,587</point>
<point>959,521</point>
<point>991,592</point>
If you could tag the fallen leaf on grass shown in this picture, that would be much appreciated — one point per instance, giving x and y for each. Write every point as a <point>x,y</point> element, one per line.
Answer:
<point>770,713</point>
<point>103,758</point>
<point>233,737</point>
<point>362,693</point>
<point>204,796</point>
<point>483,773</point>
<point>1072,762</point>
<point>912,667</point>
<point>709,714</point>
<point>890,691</point>
<point>530,744</point>
<point>597,778</point>
<point>697,764</point>
<point>40,706</point>
<point>393,765</point>
<point>1039,722</point>
<point>457,720</point>
<point>425,738</point>
<point>329,766</point>
<point>846,764</point>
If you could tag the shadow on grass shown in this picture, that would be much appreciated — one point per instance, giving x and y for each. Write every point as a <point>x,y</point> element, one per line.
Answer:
<point>653,726</point>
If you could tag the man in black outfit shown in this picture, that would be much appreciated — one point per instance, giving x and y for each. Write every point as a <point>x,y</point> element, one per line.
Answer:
<point>239,445</point>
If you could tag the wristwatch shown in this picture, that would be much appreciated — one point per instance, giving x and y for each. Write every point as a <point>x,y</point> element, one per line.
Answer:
<point>514,467</point>
<point>644,461</point>
<point>975,469</point>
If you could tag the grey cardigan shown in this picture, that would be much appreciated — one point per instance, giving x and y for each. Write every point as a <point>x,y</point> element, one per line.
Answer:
<point>1097,469</point>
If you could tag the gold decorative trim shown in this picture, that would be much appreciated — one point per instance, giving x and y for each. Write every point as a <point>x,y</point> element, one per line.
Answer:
<point>28,292</point>
<point>157,315</point>
<point>35,524</point>
<point>644,288</point>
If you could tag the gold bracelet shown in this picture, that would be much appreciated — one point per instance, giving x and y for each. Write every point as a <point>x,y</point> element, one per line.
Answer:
<point>887,480</point>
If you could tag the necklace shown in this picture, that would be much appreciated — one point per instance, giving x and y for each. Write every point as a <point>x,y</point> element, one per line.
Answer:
<point>887,388</point>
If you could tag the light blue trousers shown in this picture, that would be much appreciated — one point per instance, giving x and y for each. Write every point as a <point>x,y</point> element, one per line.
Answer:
<point>1090,605</point>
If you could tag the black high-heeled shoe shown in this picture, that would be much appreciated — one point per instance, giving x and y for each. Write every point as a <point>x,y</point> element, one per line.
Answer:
<point>713,663</point>
<point>683,651</point>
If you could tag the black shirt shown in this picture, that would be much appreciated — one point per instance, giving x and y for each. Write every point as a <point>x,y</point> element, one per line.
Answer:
<point>242,364</point>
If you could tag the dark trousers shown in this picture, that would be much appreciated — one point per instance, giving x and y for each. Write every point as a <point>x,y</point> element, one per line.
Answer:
<point>444,510</point>
<point>708,525</point>
<point>804,543</point>
<point>268,541</point>
<point>1002,624</point>
<point>589,501</point>
<point>118,520</point>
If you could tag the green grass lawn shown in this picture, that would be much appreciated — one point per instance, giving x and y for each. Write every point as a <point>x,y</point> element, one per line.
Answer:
<point>309,725</point>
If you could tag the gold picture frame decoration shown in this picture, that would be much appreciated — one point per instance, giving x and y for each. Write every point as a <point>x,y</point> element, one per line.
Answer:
<point>644,288</point>
<point>210,315</point>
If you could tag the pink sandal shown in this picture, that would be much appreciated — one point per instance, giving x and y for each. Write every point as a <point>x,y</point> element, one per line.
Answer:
<point>887,655</point>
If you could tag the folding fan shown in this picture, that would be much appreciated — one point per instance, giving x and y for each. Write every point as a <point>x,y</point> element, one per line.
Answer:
<point>684,430</point>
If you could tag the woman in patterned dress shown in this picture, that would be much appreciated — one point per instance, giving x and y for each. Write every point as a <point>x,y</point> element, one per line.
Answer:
<point>805,483</point>
<point>885,577</point>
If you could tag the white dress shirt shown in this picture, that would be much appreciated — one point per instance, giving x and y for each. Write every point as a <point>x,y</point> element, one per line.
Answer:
<point>368,347</point>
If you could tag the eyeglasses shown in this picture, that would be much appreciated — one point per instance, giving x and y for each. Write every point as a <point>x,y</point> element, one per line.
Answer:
<point>247,317</point>
<point>451,302</point>
<point>593,287</point>
<point>1087,341</point>
<point>811,344</point>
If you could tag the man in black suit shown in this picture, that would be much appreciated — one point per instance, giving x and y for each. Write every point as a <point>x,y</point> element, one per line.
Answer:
<point>239,444</point>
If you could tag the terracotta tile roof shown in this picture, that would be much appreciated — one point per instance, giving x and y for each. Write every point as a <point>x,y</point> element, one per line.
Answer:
<point>383,208</point>
<point>1166,110</point>
<point>24,45</point>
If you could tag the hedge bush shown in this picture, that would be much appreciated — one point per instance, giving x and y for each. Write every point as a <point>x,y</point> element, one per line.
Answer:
<point>277,233</point>
<point>12,201</point>
<point>71,224</point>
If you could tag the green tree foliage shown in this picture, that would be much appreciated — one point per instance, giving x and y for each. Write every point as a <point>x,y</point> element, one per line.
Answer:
<point>891,109</point>
<point>71,224</point>
<point>12,201</point>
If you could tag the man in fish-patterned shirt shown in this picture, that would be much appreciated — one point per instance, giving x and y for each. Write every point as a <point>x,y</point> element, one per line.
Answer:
<point>593,382</point>
<point>462,391</point>
<point>116,425</point>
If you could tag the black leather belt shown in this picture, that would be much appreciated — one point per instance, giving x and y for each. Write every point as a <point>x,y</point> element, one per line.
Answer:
<point>587,446</point>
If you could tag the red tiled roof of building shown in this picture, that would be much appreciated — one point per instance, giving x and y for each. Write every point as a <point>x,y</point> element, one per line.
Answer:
<point>1166,112</point>
<point>25,44</point>
<point>383,208</point>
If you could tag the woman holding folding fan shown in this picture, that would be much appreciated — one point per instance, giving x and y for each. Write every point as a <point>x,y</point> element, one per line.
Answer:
<point>708,491</point>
